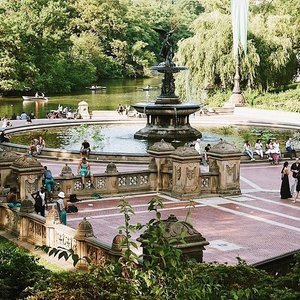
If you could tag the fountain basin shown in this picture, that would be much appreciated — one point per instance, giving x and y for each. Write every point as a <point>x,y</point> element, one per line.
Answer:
<point>181,109</point>
<point>167,121</point>
<point>166,69</point>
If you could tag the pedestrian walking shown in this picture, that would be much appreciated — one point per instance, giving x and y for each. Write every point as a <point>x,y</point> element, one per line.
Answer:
<point>285,192</point>
<point>40,201</point>
<point>295,168</point>
<point>62,206</point>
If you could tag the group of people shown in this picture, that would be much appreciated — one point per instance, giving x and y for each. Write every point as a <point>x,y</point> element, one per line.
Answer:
<point>36,146</point>
<point>202,152</point>
<point>63,112</point>
<point>292,190</point>
<point>121,109</point>
<point>271,149</point>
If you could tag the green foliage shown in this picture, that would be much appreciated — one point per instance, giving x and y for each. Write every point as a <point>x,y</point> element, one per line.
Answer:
<point>18,272</point>
<point>273,48</point>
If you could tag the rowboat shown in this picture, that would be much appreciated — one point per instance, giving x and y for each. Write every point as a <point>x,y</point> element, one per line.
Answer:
<point>147,88</point>
<point>34,98</point>
<point>96,87</point>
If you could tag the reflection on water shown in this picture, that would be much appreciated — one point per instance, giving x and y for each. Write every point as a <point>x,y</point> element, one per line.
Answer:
<point>124,91</point>
<point>120,138</point>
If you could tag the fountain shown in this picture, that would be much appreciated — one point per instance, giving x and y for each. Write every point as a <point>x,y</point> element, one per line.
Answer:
<point>167,117</point>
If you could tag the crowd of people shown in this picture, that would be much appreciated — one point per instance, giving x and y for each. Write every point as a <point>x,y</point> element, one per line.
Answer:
<point>63,112</point>
<point>271,150</point>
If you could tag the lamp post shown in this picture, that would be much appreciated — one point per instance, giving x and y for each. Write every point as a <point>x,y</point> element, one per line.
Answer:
<point>239,13</point>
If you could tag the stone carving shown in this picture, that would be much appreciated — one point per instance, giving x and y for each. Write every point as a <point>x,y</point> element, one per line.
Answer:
<point>178,172</point>
<point>118,243</point>
<point>185,152</point>
<point>26,162</point>
<point>111,168</point>
<point>8,156</point>
<point>100,183</point>
<point>65,241</point>
<point>27,206</point>
<point>204,182</point>
<point>161,146</point>
<point>66,171</point>
<point>84,230</point>
<point>31,184</point>
<point>225,148</point>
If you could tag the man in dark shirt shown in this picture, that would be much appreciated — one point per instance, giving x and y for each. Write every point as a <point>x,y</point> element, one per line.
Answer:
<point>85,148</point>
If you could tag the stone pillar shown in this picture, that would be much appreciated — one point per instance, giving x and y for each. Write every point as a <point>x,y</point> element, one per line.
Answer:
<point>193,245</point>
<point>28,172</point>
<point>112,179</point>
<point>118,246</point>
<point>186,172</point>
<point>51,220</point>
<point>226,158</point>
<point>84,231</point>
<point>67,184</point>
<point>161,164</point>
<point>25,209</point>
<point>6,160</point>
<point>83,110</point>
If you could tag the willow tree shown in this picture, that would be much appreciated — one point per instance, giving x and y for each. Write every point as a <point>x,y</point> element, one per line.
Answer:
<point>270,60</point>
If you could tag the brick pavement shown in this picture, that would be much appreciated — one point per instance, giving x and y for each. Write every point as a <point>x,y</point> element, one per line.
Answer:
<point>254,226</point>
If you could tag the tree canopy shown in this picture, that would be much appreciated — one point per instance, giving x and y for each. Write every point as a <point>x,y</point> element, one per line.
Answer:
<point>273,47</point>
<point>62,45</point>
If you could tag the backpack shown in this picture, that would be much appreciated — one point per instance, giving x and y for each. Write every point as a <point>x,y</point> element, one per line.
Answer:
<point>48,174</point>
<point>72,209</point>
<point>73,198</point>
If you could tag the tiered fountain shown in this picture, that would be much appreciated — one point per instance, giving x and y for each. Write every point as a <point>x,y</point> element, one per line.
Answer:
<point>167,117</point>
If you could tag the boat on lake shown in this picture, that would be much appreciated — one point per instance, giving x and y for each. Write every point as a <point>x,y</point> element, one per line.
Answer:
<point>147,88</point>
<point>96,87</point>
<point>34,98</point>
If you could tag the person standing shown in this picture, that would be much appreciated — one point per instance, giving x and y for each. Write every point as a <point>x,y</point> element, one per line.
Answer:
<point>48,182</point>
<point>295,168</point>
<point>62,205</point>
<point>40,201</point>
<point>285,192</point>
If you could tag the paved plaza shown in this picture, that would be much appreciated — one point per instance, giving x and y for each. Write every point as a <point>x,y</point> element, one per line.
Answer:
<point>254,226</point>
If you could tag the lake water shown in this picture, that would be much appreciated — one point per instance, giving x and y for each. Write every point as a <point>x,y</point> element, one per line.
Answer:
<point>118,91</point>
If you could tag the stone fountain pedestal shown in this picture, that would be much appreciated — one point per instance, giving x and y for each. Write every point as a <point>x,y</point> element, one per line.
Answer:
<point>167,117</point>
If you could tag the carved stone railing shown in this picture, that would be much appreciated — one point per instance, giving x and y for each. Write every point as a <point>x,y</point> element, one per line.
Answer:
<point>104,183</point>
<point>35,229</point>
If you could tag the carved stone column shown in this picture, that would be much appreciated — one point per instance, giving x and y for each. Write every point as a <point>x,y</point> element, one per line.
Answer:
<point>186,172</point>
<point>226,158</point>
<point>161,165</point>
<point>28,173</point>
<point>67,185</point>
<point>112,179</point>
<point>6,160</point>
<point>193,245</point>
<point>84,231</point>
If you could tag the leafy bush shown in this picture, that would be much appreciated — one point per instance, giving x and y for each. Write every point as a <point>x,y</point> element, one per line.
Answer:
<point>18,272</point>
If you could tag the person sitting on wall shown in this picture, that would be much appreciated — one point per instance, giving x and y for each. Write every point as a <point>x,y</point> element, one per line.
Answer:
<point>85,149</point>
<point>4,137</point>
<point>289,147</point>
<point>11,198</point>
<point>83,170</point>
